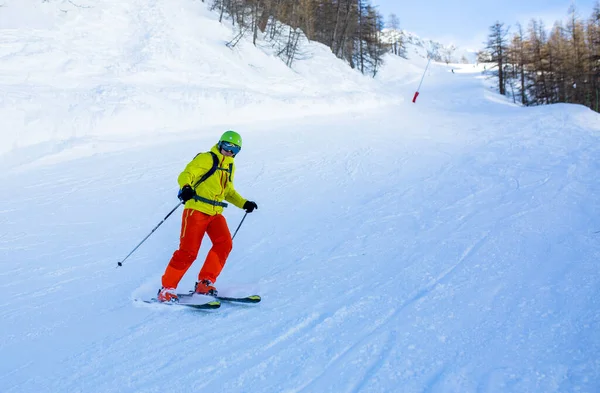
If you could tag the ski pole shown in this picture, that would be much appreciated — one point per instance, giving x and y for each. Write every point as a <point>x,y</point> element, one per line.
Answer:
<point>423,77</point>
<point>155,228</point>
<point>238,228</point>
<point>208,174</point>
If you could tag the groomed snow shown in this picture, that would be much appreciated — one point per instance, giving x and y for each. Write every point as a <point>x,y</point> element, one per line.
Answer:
<point>450,245</point>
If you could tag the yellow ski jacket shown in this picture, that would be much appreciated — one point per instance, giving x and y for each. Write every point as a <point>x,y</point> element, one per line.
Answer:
<point>218,187</point>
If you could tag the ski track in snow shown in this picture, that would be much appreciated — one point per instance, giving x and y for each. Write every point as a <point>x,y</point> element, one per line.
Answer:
<point>344,337</point>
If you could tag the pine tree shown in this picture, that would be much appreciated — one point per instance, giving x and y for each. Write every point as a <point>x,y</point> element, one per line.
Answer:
<point>577,65</point>
<point>593,39</point>
<point>497,46</point>
<point>517,57</point>
<point>537,85</point>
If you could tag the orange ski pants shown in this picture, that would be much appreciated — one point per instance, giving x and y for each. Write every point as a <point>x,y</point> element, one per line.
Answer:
<point>194,225</point>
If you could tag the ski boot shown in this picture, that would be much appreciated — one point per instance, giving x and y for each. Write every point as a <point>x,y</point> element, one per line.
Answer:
<point>205,287</point>
<point>167,295</point>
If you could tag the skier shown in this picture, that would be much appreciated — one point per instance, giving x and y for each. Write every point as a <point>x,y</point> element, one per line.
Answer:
<point>202,214</point>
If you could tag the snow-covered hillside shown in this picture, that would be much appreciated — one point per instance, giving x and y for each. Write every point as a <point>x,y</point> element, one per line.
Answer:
<point>76,71</point>
<point>449,245</point>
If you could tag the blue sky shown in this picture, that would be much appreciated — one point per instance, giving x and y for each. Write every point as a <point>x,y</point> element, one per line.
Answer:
<point>467,25</point>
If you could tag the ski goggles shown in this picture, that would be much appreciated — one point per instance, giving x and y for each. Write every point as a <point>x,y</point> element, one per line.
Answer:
<point>230,147</point>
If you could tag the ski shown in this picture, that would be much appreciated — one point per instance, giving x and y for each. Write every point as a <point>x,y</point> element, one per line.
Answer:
<point>245,299</point>
<point>241,299</point>
<point>211,305</point>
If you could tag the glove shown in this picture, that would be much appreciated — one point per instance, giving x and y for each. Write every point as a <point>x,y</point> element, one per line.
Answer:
<point>186,193</point>
<point>249,206</point>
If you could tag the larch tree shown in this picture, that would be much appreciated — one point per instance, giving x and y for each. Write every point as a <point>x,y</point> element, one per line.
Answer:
<point>497,46</point>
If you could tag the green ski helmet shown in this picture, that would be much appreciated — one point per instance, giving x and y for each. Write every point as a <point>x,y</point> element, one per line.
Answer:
<point>231,137</point>
<point>230,141</point>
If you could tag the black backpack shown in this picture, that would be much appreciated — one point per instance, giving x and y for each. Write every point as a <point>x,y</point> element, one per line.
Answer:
<point>211,171</point>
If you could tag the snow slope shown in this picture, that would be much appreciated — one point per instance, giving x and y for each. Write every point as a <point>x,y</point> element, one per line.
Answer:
<point>445,246</point>
<point>159,67</point>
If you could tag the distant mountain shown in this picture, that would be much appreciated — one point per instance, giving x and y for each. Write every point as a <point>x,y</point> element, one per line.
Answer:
<point>415,46</point>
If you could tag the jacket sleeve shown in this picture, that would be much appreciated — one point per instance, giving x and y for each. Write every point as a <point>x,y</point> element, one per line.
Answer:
<point>195,169</point>
<point>233,197</point>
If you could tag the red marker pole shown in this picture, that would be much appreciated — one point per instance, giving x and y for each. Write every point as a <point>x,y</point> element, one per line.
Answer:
<point>423,77</point>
